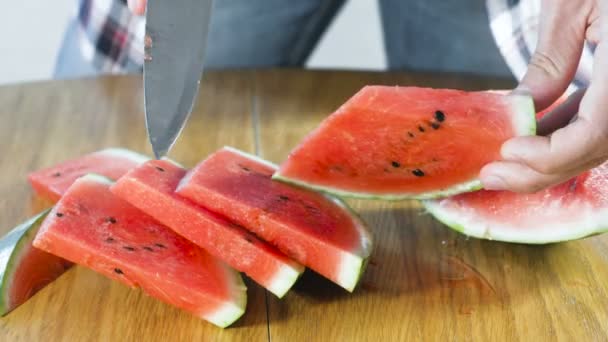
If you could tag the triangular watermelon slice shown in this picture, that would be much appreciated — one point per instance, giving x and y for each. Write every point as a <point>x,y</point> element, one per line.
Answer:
<point>319,231</point>
<point>52,182</point>
<point>151,188</point>
<point>92,227</point>
<point>405,142</point>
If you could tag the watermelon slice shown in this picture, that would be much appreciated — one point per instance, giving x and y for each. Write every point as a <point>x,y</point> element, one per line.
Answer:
<point>317,231</point>
<point>94,228</point>
<point>25,270</point>
<point>405,142</point>
<point>571,210</point>
<point>151,188</point>
<point>52,182</point>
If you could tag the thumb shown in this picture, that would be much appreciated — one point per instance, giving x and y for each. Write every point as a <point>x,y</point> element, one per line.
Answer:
<point>558,51</point>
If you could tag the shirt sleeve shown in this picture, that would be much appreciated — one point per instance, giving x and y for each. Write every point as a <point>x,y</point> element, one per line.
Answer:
<point>515,25</point>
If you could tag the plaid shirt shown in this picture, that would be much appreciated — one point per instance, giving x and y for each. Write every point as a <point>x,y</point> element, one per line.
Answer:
<point>112,38</point>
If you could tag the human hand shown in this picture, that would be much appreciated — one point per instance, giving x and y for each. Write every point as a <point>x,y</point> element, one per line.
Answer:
<point>573,137</point>
<point>137,6</point>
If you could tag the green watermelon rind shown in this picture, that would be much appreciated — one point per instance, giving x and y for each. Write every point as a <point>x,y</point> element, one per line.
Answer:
<point>524,124</point>
<point>357,259</point>
<point>469,186</point>
<point>13,247</point>
<point>455,220</point>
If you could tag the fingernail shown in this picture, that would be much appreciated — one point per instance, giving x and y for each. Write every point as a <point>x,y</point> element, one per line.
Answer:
<point>493,183</point>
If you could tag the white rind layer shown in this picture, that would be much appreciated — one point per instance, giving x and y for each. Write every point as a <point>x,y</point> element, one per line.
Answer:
<point>284,279</point>
<point>582,221</point>
<point>251,156</point>
<point>524,124</point>
<point>454,190</point>
<point>93,177</point>
<point>124,153</point>
<point>230,311</point>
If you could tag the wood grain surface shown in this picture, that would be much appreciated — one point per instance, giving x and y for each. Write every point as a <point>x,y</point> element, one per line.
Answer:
<point>424,282</point>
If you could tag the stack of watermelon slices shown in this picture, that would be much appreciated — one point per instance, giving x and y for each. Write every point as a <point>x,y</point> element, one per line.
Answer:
<point>124,216</point>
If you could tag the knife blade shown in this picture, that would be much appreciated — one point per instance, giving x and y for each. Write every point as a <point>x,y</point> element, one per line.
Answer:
<point>175,45</point>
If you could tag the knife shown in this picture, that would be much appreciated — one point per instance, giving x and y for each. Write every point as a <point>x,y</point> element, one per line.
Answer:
<point>175,44</point>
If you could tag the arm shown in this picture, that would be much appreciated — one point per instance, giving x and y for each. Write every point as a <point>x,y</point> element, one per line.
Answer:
<point>574,136</point>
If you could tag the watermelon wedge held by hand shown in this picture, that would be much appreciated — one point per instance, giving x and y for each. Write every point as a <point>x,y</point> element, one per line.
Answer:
<point>24,270</point>
<point>93,228</point>
<point>316,230</point>
<point>405,142</point>
<point>53,182</point>
<point>151,188</point>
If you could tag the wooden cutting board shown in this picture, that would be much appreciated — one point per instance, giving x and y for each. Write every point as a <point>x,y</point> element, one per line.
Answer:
<point>424,282</point>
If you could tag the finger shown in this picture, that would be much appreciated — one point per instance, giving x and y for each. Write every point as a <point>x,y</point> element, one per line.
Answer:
<point>564,150</point>
<point>137,6</point>
<point>561,115</point>
<point>560,44</point>
<point>517,177</point>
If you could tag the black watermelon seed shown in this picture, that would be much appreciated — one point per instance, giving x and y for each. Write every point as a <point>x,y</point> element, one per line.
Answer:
<point>111,220</point>
<point>248,238</point>
<point>118,271</point>
<point>311,208</point>
<point>129,248</point>
<point>160,245</point>
<point>244,168</point>
<point>110,239</point>
<point>160,169</point>
<point>421,129</point>
<point>395,164</point>
<point>418,173</point>
<point>435,125</point>
<point>59,214</point>
<point>410,134</point>
<point>56,174</point>
<point>148,248</point>
<point>439,116</point>
<point>284,198</point>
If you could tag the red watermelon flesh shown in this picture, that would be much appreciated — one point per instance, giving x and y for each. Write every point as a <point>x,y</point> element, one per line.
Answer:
<point>408,142</point>
<point>24,270</point>
<point>53,182</point>
<point>93,228</point>
<point>317,231</point>
<point>151,188</point>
